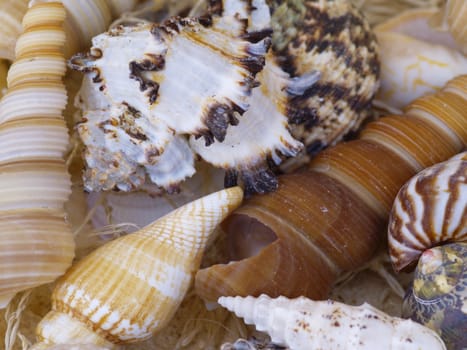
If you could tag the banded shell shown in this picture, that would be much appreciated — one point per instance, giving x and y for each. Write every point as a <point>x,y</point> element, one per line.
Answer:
<point>438,295</point>
<point>329,218</point>
<point>232,123</point>
<point>37,243</point>
<point>430,209</point>
<point>130,288</point>
<point>302,324</point>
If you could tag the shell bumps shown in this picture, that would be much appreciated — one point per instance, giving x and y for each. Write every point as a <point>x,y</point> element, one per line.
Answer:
<point>130,288</point>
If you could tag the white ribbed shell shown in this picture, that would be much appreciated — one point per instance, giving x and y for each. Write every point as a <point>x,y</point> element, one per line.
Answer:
<point>304,324</point>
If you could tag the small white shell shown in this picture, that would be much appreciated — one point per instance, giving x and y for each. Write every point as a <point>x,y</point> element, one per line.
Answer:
<point>303,324</point>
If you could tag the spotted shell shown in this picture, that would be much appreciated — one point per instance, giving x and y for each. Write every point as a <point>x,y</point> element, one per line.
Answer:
<point>430,209</point>
<point>437,297</point>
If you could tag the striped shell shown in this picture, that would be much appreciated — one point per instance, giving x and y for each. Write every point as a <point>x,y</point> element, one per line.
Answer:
<point>430,209</point>
<point>37,243</point>
<point>302,324</point>
<point>438,295</point>
<point>130,288</point>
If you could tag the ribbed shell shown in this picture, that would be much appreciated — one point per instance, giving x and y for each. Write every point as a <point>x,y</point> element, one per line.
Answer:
<point>302,324</point>
<point>438,294</point>
<point>11,14</point>
<point>430,209</point>
<point>130,288</point>
<point>330,217</point>
<point>37,244</point>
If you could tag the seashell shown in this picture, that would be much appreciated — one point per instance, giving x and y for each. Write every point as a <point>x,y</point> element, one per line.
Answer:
<point>452,17</point>
<point>37,243</point>
<point>337,208</point>
<point>11,15</point>
<point>417,60</point>
<point>91,303</point>
<point>251,344</point>
<point>302,324</point>
<point>438,294</point>
<point>243,128</point>
<point>430,209</point>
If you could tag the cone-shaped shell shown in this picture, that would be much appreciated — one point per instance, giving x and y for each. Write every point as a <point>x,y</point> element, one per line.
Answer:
<point>302,324</point>
<point>430,209</point>
<point>130,288</point>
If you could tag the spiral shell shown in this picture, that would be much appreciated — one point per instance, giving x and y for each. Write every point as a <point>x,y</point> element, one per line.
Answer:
<point>37,243</point>
<point>302,324</point>
<point>430,209</point>
<point>438,295</point>
<point>337,209</point>
<point>130,288</point>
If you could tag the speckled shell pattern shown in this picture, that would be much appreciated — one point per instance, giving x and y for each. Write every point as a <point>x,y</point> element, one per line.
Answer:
<point>429,210</point>
<point>37,245</point>
<point>338,208</point>
<point>437,297</point>
<point>302,324</point>
<point>130,288</point>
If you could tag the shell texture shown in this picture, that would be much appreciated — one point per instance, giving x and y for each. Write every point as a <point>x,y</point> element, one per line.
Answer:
<point>302,324</point>
<point>417,59</point>
<point>131,287</point>
<point>152,119</point>
<point>337,208</point>
<point>11,14</point>
<point>438,294</point>
<point>231,122</point>
<point>37,243</point>
<point>452,17</point>
<point>430,209</point>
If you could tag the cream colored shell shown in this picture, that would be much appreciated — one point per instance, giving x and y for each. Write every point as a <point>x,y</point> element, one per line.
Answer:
<point>431,208</point>
<point>36,242</point>
<point>303,324</point>
<point>131,287</point>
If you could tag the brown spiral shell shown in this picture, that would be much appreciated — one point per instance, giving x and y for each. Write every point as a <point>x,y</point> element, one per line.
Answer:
<point>430,209</point>
<point>330,217</point>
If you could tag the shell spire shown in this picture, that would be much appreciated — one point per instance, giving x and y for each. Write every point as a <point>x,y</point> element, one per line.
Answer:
<point>128,289</point>
<point>302,324</point>
<point>37,243</point>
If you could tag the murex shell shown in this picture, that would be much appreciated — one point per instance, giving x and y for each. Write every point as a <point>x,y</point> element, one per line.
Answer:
<point>302,324</point>
<point>438,295</point>
<point>430,209</point>
<point>210,86</point>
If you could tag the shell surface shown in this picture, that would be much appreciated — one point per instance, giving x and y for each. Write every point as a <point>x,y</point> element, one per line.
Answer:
<point>130,288</point>
<point>438,296</point>
<point>303,324</point>
<point>430,209</point>
<point>37,243</point>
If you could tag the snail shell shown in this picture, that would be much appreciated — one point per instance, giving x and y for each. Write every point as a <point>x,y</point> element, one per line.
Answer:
<point>302,324</point>
<point>430,209</point>
<point>37,243</point>
<point>438,295</point>
<point>337,209</point>
<point>130,288</point>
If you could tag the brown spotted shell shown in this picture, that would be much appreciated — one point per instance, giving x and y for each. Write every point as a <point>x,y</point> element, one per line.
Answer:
<point>430,209</point>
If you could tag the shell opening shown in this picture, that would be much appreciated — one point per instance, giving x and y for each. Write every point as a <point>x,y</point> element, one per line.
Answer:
<point>246,236</point>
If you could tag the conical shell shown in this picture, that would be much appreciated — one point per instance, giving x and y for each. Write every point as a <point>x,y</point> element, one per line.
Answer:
<point>302,324</point>
<point>430,209</point>
<point>130,288</point>
<point>37,243</point>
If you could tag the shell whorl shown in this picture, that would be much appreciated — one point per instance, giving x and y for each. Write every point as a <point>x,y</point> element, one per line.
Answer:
<point>130,288</point>
<point>430,209</point>
<point>302,324</point>
<point>37,243</point>
<point>338,207</point>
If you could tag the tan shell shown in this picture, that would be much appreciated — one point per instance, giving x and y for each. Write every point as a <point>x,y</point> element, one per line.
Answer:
<point>430,209</point>
<point>37,243</point>
<point>131,287</point>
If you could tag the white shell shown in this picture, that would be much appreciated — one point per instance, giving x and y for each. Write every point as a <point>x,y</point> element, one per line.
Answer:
<point>303,324</point>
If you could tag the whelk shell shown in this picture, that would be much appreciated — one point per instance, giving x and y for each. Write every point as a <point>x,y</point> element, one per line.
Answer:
<point>337,208</point>
<point>430,209</point>
<point>302,324</point>
<point>37,243</point>
<point>130,288</point>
